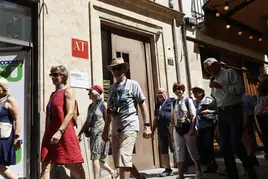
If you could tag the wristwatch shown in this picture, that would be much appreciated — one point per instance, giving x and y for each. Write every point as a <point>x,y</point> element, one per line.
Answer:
<point>147,124</point>
<point>61,130</point>
<point>17,136</point>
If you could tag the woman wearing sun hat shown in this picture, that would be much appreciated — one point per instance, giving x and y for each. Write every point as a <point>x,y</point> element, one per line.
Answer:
<point>205,123</point>
<point>93,128</point>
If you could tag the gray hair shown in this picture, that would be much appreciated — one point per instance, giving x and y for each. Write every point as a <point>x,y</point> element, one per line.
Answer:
<point>211,60</point>
<point>62,70</point>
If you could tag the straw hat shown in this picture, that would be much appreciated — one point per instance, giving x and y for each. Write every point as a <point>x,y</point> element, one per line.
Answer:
<point>116,62</point>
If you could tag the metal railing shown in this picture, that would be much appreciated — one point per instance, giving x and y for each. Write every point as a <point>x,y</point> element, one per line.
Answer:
<point>197,11</point>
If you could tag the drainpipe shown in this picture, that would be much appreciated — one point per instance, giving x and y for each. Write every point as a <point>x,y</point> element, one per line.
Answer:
<point>175,42</point>
<point>185,51</point>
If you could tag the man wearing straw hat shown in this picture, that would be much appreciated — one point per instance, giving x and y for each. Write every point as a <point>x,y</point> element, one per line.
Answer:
<point>123,96</point>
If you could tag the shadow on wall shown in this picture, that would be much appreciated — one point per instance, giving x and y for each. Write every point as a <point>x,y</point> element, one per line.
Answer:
<point>59,172</point>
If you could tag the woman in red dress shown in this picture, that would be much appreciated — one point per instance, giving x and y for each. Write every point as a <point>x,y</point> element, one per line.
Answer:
<point>60,145</point>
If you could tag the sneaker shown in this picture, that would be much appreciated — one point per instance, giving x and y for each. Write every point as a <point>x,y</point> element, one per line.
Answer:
<point>198,174</point>
<point>222,172</point>
<point>115,175</point>
<point>211,168</point>
<point>166,172</point>
<point>252,173</point>
<point>266,156</point>
<point>253,160</point>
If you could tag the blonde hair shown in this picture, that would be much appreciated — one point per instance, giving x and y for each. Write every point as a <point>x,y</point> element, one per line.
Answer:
<point>62,70</point>
<point>4,85</point>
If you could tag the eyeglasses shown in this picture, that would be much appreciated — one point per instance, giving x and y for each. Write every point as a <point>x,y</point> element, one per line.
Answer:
<point>117,69</point>
<point>54,74</point>
<point>89,92</point>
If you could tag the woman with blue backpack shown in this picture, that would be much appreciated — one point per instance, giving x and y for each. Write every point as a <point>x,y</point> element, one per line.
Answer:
<point>93,128</point>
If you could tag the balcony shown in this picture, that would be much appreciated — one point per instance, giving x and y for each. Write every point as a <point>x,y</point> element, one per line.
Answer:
<point>197,11</point>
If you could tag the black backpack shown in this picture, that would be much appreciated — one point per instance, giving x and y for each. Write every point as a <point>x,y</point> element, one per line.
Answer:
<point>182,126</point>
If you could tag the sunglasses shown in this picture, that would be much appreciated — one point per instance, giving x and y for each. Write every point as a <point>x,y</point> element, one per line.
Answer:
<point>54,74</point>
<point>198,91</point>
<point>89,92</point>
<point>117,68</point>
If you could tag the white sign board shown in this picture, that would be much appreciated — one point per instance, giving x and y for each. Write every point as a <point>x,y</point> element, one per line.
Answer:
<point>79,79</point>
<point>16,85</point>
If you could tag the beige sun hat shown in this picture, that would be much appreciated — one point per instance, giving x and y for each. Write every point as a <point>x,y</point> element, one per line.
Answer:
<point>116,62</point>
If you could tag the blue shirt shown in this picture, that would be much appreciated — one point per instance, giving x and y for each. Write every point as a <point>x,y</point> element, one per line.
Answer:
<point>163,114</point>
<point>200,121</point>
<point>248,103</point>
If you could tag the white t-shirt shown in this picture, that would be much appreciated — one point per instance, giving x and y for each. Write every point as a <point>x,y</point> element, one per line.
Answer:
<point>124,98</point>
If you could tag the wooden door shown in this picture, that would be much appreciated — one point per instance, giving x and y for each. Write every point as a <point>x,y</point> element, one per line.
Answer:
<point>136,53</point>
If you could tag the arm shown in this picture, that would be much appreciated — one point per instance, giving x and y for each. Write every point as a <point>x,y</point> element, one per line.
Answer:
<point>145,116</point>
<point>13,108</point>
<point>144,111</point>
<point>85,125</point>
<point>235,86</point>
<point>172,124</point>
<point>70,102</point>
<point>154,125</point>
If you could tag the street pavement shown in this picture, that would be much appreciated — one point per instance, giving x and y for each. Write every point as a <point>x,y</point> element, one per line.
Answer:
<point>262,171</point>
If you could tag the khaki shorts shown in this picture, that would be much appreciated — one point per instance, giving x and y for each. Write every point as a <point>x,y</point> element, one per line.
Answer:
<point>123,145</point>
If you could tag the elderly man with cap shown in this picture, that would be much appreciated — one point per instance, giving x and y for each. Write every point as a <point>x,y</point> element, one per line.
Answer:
<point>205,123</point>
<point>226,89</point>
<point>93,128</point>
<point>122,97</point>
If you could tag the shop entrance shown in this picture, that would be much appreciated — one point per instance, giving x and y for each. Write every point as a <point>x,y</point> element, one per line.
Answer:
<point>135,51</point>
<point>16,65</point>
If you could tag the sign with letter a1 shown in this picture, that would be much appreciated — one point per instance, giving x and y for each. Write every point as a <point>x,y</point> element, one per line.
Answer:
<point>79,48</point>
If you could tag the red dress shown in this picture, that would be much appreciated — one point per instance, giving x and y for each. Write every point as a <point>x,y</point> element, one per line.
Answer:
<point>67,151</point>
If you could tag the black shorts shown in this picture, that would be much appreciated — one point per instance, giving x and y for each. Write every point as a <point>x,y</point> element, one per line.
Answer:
<point>165,143</point>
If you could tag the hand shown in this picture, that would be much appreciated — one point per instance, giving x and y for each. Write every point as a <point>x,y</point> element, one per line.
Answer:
<point>214,84</point>
<point>147,133</point>
<point>79,137</point>
<point>153,135</point>
<point>192,131</point>
<point>105,135</point>
<point>17,144</point>
<point>56,137</point>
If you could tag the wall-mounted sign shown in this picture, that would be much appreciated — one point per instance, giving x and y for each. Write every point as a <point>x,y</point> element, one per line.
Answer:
<point>170,61</point>
<point>79,79</point>
<point>79,48</point>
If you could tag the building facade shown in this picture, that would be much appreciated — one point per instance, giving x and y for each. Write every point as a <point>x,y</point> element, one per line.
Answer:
<point>84,36</point>
<point>153,36</point>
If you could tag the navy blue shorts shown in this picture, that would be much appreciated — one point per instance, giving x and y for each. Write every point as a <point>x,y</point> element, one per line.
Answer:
<point>165,143</point>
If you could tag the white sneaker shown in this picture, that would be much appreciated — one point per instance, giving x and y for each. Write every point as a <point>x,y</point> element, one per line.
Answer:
<point>198,174</point>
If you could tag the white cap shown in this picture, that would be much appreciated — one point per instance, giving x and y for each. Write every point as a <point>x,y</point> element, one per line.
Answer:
<point>211,60</point>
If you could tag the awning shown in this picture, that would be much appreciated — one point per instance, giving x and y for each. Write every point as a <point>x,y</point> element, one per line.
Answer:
<point>248,15</point>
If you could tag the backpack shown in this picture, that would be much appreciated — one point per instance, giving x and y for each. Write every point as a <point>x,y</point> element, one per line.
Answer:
<point>182,126</point>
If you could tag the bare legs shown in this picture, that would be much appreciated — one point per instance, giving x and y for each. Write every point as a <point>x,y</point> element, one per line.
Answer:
<point>165,159</point>
<point>96,169</point>
<point>124,172</point>
<point>76,169</point>
<point>6,173</point>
